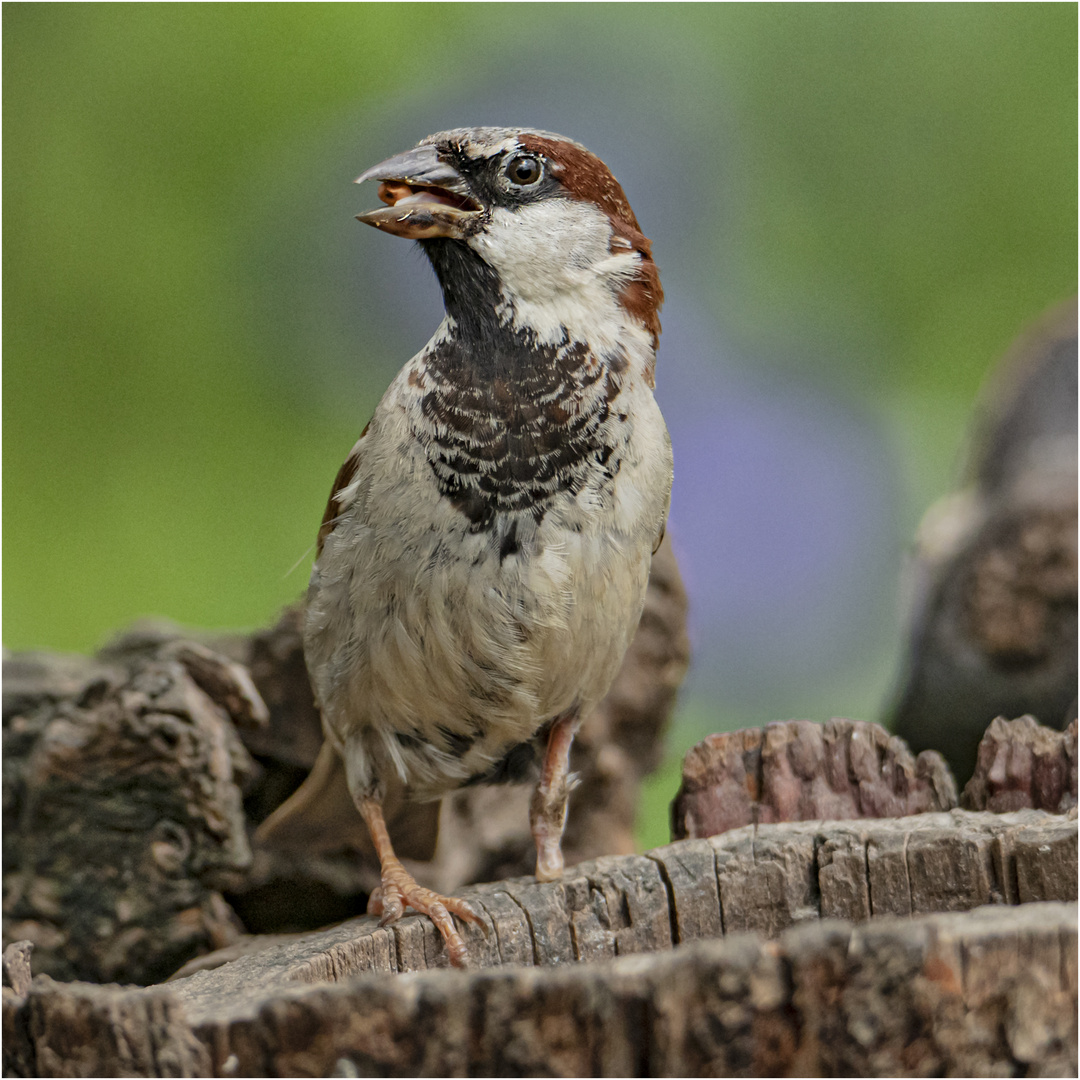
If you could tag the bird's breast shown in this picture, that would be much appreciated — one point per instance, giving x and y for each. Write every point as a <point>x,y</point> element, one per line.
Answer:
<point>509,431</point>
<point>491,570</point>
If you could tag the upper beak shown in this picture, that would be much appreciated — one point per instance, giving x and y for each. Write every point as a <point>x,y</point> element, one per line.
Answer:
<point>425,197</point>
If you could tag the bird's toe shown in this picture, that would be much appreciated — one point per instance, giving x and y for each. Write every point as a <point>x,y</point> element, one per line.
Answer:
<point>400,890</point>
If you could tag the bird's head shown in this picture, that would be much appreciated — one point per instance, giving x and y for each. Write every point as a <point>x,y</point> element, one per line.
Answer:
<point>525,228</point>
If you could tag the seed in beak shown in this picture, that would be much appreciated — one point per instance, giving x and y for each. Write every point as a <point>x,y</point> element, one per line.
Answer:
<point>391,193</point>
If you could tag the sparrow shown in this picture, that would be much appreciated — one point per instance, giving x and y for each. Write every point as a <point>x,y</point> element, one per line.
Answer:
<point>482,562</point>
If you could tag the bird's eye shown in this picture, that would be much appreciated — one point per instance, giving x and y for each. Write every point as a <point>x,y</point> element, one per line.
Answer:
<point>523,169</point>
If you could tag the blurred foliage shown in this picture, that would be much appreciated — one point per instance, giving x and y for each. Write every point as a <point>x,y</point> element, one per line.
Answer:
<point>894,186</point>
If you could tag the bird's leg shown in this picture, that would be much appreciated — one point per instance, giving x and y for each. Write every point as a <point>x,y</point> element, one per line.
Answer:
<point>547,811</point>
<point>400,889</point>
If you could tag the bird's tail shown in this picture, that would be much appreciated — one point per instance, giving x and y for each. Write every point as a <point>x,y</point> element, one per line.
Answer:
<point>321,817</point>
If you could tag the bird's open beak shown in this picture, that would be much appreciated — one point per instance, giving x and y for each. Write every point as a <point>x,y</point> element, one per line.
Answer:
<point>425,197</point>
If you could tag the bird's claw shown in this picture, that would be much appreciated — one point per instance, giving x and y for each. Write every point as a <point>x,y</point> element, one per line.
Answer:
<point>391,907</point>
<point>400,890</point>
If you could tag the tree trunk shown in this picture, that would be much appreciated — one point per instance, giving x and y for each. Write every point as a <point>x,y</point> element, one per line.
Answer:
<point>962,991</point>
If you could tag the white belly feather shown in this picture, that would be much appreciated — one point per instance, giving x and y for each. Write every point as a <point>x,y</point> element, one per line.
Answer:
<point>433,654</point>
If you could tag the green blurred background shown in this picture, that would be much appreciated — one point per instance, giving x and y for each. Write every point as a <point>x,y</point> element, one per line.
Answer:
<point>857,205</point>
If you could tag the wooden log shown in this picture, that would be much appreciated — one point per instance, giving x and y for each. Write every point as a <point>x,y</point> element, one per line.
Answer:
<point>123,811</point>
<point>763,880</point>
<point>335,1000</point>
<point>992,578</point>
<point>1022,764</point>
<point>796,770</point>
<point>989,992</point>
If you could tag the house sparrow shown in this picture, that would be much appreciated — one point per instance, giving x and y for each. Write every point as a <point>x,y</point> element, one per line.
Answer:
<point>483,559</point>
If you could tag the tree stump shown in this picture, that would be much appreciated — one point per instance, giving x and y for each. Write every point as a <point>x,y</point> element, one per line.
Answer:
<point>933,940</point>
<point>797,770</point>
<point>723,956</point>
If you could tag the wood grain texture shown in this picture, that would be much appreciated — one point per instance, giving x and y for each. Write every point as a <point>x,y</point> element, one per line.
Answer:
<point>123,815</point>
<point>1021,764</point>
<point>762,880</point>
<point>721,956</point>
<point>989,992</point>
<point>797,770</point>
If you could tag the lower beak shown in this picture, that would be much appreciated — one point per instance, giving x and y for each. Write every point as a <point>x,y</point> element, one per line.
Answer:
<point>426,197</point>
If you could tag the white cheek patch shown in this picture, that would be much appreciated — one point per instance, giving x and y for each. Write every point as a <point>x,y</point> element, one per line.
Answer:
<point>557,271</point>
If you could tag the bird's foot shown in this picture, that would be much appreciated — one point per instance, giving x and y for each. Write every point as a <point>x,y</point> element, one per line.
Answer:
<point>549,858</point>
<point>400,890</point>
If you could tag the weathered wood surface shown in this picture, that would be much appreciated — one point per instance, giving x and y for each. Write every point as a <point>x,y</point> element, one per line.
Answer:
<point>990,992</point>
<point>17,966</point>
<point>993,576</point>
<point>764,880</point>
<point>123,815</point>
<point>309,1004</point>
<point>1021,763</point>
<point>796,770</point>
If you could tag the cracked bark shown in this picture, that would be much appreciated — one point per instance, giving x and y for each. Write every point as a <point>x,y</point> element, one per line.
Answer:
<point>581,977</point>
<point>796,770</point>
<point>705,956</point>
<point>990,992</point>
